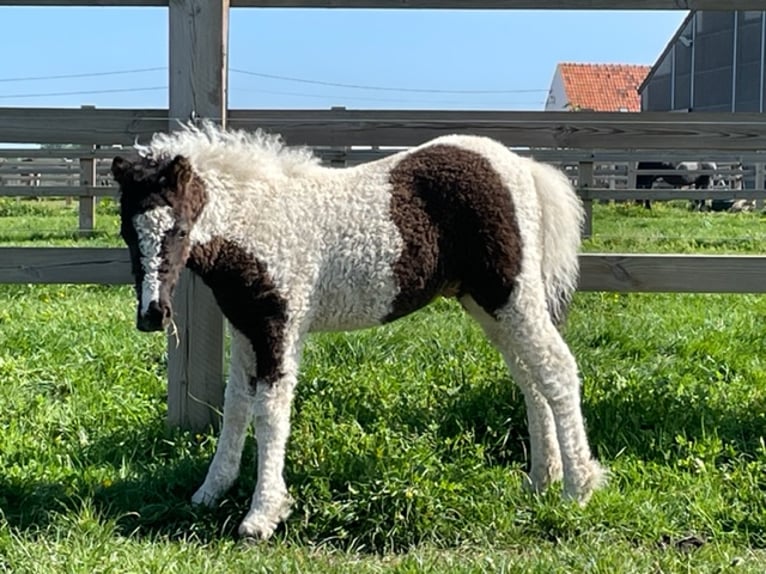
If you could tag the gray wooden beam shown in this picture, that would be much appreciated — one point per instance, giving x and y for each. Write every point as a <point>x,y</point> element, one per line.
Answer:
<point>79,126</point>
<point>589,130</point>
<point>658,193</point>
<point>673,273</point>
<point>81,265</point>
<point>511,4</point>
<point>437,4</point>
<point>198,63</point>
<point>618,272</point>
<point>354,156</point>
<point>728,132</point>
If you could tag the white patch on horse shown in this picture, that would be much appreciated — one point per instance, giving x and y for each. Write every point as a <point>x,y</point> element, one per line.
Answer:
<point>151,227</point>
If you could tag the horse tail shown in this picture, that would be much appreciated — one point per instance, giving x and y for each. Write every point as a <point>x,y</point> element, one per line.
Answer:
<point>562,218</point>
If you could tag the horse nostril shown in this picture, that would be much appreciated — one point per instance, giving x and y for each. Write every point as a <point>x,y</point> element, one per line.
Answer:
<point>166,312</point>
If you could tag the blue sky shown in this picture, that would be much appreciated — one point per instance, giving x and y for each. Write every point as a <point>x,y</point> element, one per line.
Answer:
<point>513,52</point>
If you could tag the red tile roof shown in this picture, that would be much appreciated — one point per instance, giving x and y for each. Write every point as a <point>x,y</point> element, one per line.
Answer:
<point>603,87</point>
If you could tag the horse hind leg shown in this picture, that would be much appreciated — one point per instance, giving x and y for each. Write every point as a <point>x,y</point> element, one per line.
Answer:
<point>545,457</point>
<point>546,371</point>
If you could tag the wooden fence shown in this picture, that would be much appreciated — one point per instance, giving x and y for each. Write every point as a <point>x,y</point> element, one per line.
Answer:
<point>198,67</point>
<point>83,172</point>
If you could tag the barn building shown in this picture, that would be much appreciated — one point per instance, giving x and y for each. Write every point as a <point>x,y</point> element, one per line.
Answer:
<point>714,62</point>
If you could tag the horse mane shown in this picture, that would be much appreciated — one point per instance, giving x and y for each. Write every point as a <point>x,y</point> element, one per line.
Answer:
<point>236,153</point>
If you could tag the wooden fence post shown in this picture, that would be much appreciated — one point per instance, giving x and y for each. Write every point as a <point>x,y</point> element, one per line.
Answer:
<point>760,176</point>
<point>198,83</point>
<point>87,211</point>
<point>585,183</point>
<point>87,203</point>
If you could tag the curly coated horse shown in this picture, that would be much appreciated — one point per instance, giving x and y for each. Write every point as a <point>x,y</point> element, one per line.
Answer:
<point>289,246</point>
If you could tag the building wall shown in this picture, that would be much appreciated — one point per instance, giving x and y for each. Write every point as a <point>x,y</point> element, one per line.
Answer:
<point>557,97</point>
<point>716,64</point>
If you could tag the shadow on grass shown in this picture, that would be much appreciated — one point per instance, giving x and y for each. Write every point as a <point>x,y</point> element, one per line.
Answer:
<point>658,422</point>
<point>161,471</point>
<point>340,506</point>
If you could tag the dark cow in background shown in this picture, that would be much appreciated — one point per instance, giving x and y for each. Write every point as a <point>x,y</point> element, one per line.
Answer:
<point>677,180</point>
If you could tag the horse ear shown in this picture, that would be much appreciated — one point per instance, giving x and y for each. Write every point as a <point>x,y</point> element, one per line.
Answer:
<point>180,173</point>
<point>121,169</point>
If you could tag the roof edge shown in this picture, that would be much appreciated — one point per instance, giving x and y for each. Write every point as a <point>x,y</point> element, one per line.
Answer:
<point>668,46</point>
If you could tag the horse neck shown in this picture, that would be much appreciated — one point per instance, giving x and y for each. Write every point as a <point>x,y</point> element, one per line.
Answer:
<point>235,210</point>
<point>212,220</point>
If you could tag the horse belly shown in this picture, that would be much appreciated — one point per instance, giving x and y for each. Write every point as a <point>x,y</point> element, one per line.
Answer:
<point>356,292</point>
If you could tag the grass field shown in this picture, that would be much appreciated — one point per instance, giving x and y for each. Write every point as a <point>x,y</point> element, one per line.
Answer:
<point>409,441</point>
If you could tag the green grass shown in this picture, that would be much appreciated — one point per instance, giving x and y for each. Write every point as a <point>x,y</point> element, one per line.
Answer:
<point>669,227</point>
<point>409,441</point>
<point>25,222</point>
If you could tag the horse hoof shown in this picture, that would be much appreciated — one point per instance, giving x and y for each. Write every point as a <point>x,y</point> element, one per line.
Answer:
<point>203,498</point>
<point>257,529</point>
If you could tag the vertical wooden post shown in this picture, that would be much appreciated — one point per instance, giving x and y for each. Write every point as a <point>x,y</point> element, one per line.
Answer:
<point>87,203</point>
<point>339,161</point>
<point>199,31</point>
<point>760,176</point>
<point>585,183</point>
<point>631,183</point>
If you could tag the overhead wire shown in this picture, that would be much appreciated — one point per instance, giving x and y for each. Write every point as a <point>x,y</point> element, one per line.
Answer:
<point>82,75</point>
<point>83,92</point>
<point>342,97</point>
<point>382,88</point>
<point>264,75</point>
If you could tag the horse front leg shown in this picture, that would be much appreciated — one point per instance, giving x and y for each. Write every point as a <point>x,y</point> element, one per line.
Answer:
<point>271,502</point>
<point>238,406</point>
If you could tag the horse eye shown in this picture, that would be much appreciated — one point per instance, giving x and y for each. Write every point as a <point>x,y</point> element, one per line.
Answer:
<point>182,233</point>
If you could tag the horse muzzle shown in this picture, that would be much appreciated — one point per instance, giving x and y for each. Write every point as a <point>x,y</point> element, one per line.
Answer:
<point>156,317</point>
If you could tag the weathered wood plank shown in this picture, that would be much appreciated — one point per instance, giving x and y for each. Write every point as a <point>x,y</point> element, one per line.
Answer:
<point>42,154</point>
<point>573,155</point>
<point>591,194</point>
<point>437,4</point>
<point>673,273</point>
<point>79,126</point>
<point>81,265</point>
<point>354,156</point>
<point>341,128</point>
<point>617,272</point>
<point>511,4</point>
<point>83,2</point>
<point>198,64</point>
<point>604,130</point>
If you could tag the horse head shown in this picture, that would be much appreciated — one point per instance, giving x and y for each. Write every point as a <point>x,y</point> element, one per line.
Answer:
<point>160,201</point>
